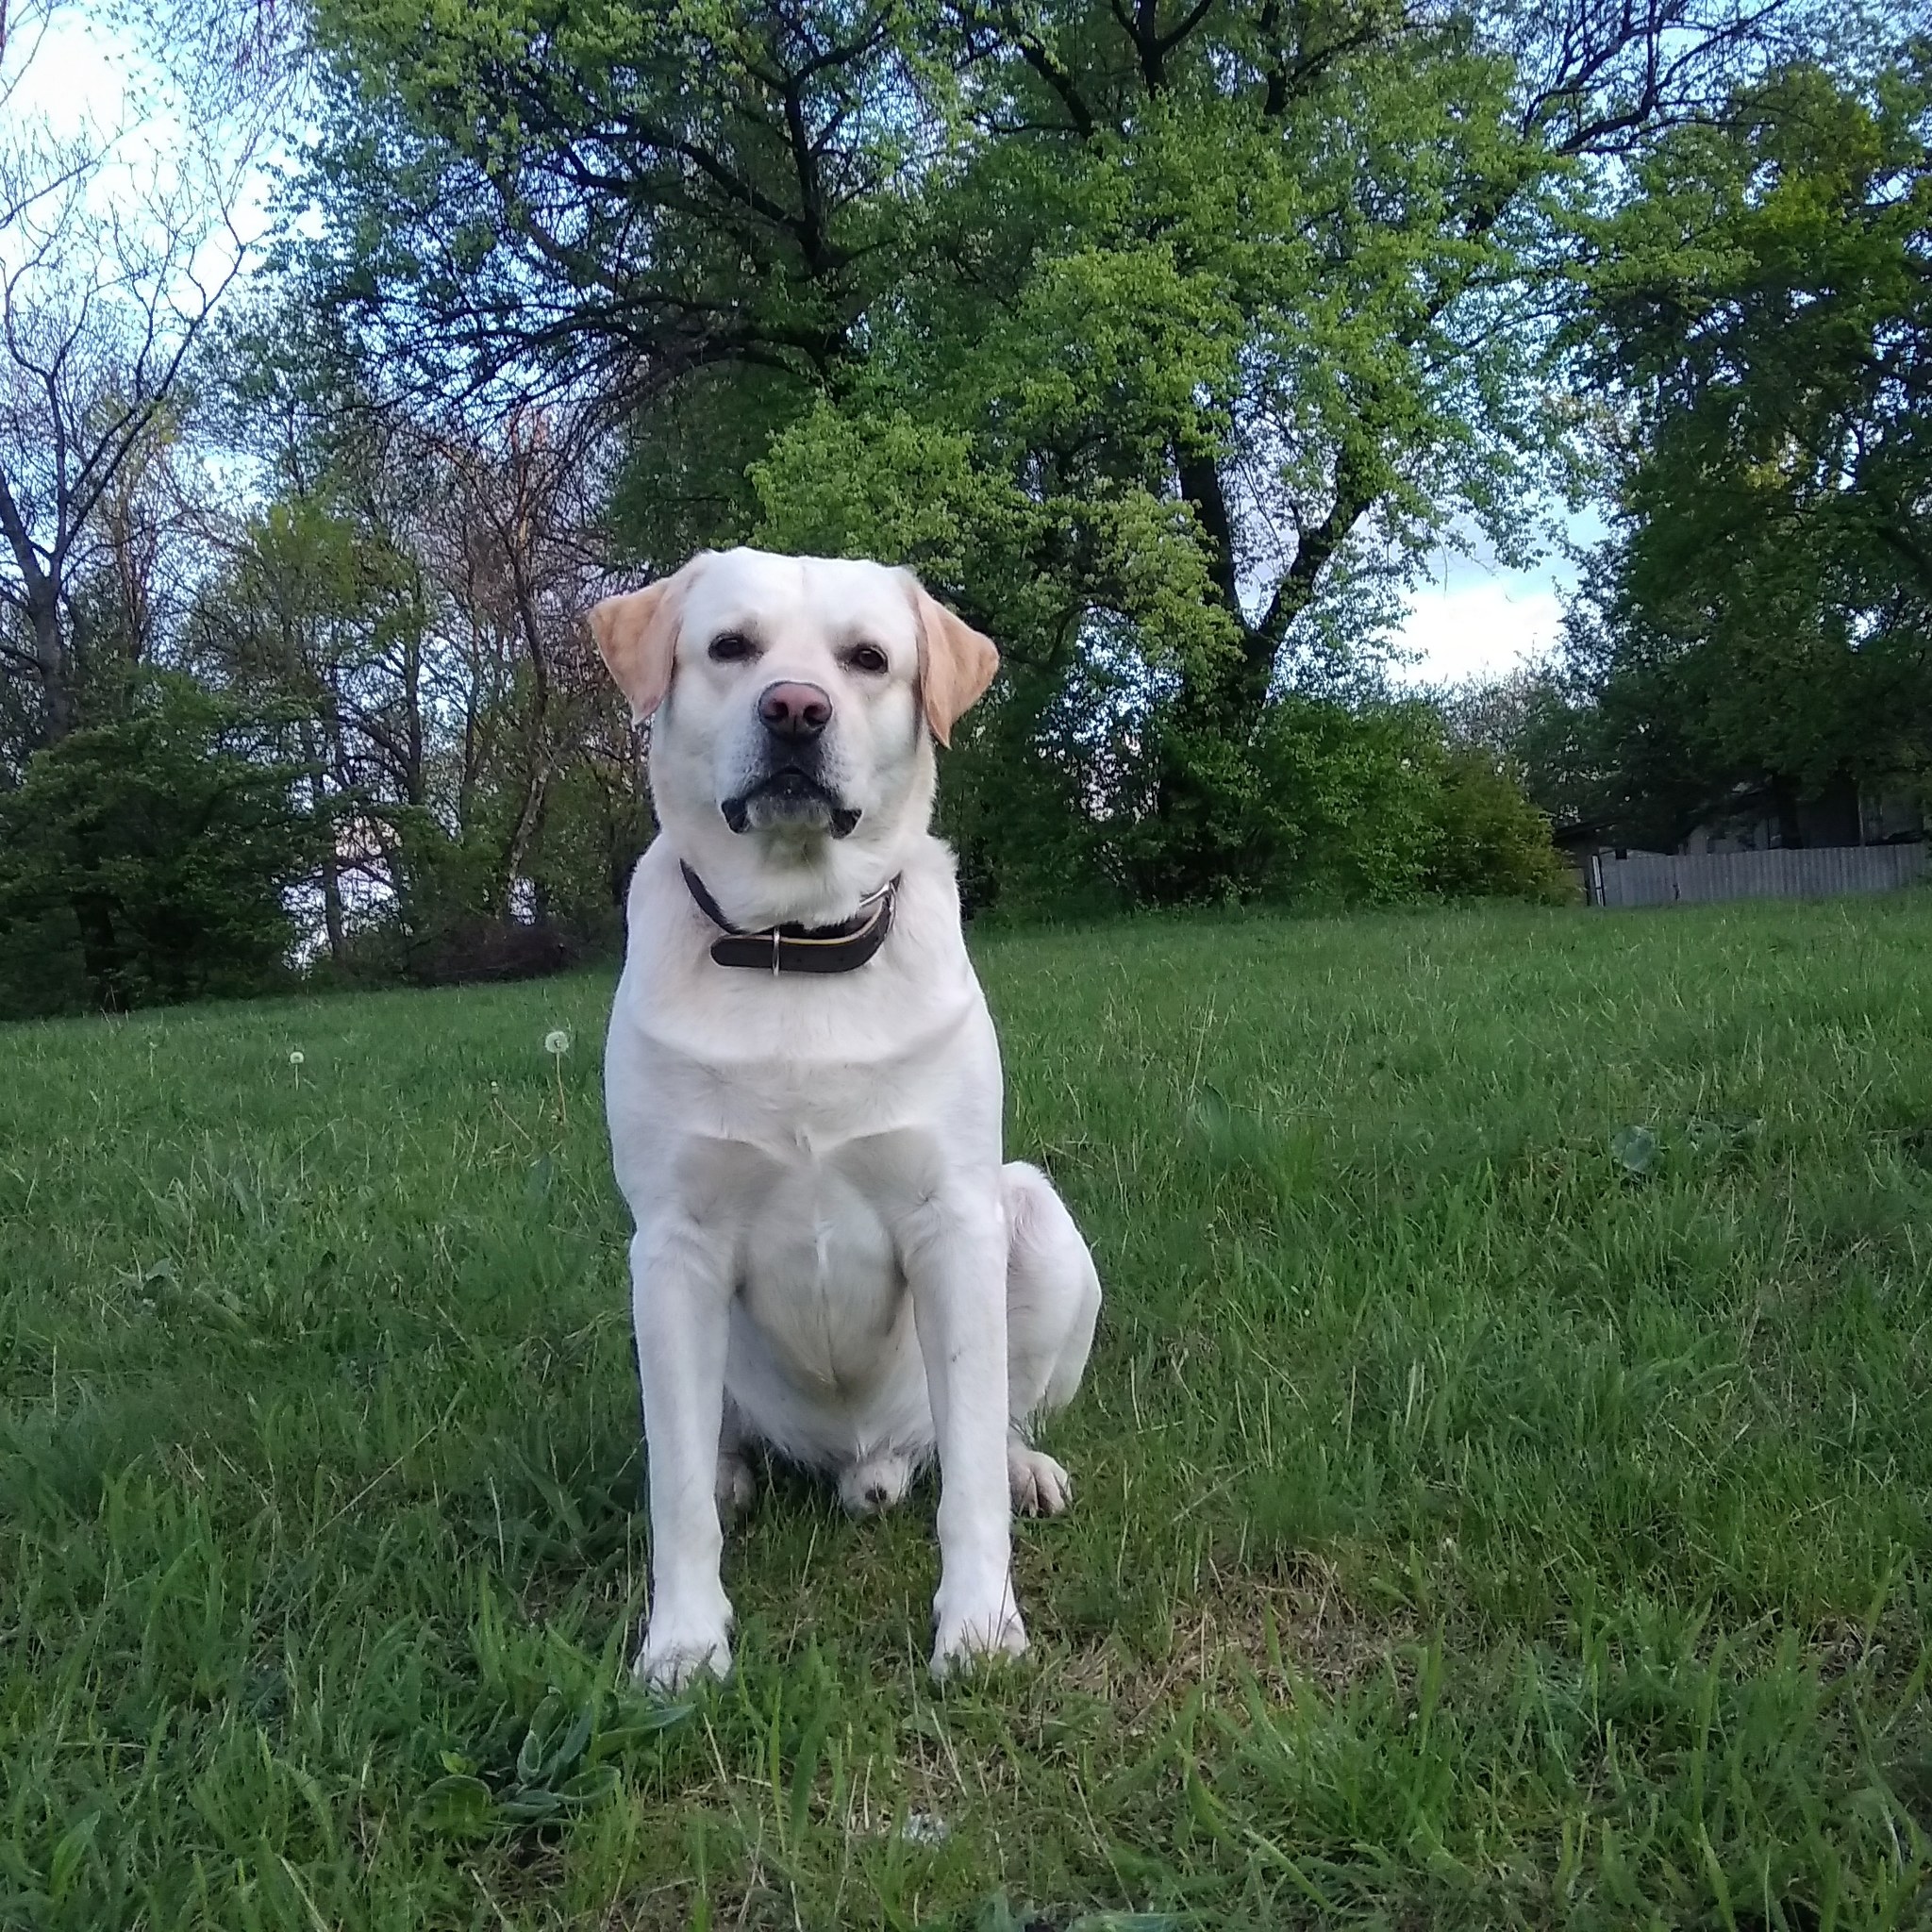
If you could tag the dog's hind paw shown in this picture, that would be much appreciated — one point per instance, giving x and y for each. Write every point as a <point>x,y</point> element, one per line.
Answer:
<point>872,1487</point>
<point>1040,1485</point>
<point>735,1488</point>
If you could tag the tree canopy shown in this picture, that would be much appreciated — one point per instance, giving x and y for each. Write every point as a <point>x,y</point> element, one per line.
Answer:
<point>1162,338</point>
<point>1762,318</point>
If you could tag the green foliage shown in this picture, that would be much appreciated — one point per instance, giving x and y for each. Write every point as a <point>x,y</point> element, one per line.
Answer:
<point>593,827</point>
<point>1368,805</point>
<point>1334,805</point>
<point>1502,1480</point>
<point>1162,339</point>
<point>1330,805</point>
<point>1536,724</point>
<point>411,599</point>
<point>1763,305</point>
<point>149,859</point>
<point>879,484</point>
<point>1047,794</point>
<point>1145,346</point>
<point>1490,839</point>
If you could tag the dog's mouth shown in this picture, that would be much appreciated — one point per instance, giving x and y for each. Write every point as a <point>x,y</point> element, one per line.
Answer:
<point>789,797</point>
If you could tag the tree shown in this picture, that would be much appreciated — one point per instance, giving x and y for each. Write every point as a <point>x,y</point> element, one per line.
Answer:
<point>313,610</point>
<point>1491,840</point>
<point>1762,313</point>
<point>148,859</point>
<point>109,270</point>
<point>1538,727</point>
<point>1206,316</point>
<point>409,596</point>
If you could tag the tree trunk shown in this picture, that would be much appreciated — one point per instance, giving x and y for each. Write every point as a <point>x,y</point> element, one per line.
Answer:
<point>53,661</point>
<point>522,839</point>
<point>100,952</point>
<point>331,860</point>
<point>413,686</point>
<point>536,762</point>
<point>1207,848</point>
<point>332,900</point>
<point>55,664</point>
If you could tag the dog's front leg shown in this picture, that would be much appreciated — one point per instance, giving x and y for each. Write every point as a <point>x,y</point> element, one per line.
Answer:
<point>680,1301</point>
<point>956,1265</point>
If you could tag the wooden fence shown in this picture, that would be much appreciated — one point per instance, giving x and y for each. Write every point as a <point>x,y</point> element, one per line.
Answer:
<point>1697,879</point>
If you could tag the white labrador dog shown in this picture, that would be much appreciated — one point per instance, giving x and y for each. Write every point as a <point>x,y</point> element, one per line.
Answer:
<point>831,1255</point>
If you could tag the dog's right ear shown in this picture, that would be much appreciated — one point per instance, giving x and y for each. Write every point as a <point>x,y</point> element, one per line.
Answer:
<point>636,635</point>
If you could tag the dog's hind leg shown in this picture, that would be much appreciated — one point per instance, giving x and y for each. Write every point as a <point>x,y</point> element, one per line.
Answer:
<point>1052,1300</point>
<point>736,1486</point>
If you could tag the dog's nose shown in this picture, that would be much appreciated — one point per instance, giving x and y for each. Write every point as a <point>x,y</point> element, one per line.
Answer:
<point>795,710</point>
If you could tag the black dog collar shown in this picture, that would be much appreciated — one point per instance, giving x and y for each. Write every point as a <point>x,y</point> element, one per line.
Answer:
<point>797,948</point>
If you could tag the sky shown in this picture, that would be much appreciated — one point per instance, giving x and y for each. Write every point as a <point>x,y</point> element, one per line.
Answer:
<point>80,75</point>
<point>1473,619</point>
<point>1476,619</point>
<point>76,75</point>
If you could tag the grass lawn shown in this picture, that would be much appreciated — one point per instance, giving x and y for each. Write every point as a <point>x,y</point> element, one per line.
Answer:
<point>1504,1474</point>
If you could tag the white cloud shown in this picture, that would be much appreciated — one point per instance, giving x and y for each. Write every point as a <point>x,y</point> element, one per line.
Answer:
<point>83,76</point>
<point>1474,616</point>
<point>1484,626</point>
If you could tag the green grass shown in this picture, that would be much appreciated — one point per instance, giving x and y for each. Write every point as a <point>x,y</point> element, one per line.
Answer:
<point>1485,1515</point>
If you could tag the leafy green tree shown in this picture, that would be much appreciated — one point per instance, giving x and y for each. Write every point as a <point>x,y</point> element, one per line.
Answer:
<point>1763,312</point>
<point>412,594</point>
<point>1539,727</point>
<point>151,860</point>
<point>313,612</point>
<point>1152,333</point>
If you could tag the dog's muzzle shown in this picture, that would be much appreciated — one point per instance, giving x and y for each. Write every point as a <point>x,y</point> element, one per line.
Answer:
<point>789,796</point>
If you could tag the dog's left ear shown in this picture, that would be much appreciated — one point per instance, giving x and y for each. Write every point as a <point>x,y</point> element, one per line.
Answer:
<point>956,662</point>
<point>636,635</point>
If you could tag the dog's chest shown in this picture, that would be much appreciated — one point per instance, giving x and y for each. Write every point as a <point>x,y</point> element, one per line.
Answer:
<point>818,1272</point>
<point>814,1170</point>
<point>815,1253</point>
<point>806,1128</point>
<point>802,1074</point>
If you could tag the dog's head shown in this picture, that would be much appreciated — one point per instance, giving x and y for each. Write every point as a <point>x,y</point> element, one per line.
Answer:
<point>796,701</point>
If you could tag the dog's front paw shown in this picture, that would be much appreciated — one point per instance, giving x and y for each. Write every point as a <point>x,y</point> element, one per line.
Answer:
<point>671,1657</point>
<point>967,1642</point>
<point>1040,1485</point>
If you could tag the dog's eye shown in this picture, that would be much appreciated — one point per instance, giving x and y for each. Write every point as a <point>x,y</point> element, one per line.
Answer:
<point>867,657</point>
<point>731,647</point>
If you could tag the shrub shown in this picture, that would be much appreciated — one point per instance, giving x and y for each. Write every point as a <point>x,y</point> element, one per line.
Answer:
<point>1489,840</point>
<point>149,859</point>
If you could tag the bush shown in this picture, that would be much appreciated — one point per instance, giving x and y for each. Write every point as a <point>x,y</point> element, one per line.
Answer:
<point>149,859</point>
<point>1489,840</point>
<point>484,950</point>
<point>1328,803</point>
<point>1350,800</point>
